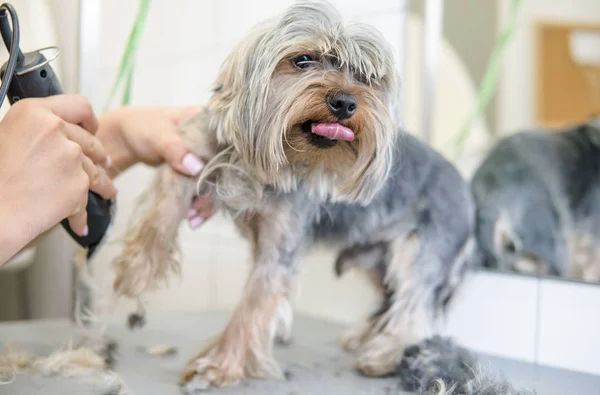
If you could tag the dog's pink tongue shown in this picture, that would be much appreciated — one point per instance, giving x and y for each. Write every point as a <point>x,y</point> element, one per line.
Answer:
<point>333,131</point>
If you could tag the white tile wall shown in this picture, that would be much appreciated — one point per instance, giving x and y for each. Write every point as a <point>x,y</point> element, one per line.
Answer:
<point>569,322</point>
<point>177,29</point>
<point>497,314</point>
<point>321,293</point>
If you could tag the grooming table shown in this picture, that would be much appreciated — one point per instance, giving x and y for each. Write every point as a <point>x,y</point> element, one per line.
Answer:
<point>314,363</point>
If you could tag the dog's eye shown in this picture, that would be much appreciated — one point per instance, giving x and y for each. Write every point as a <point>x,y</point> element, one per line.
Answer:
<point>303,62</point>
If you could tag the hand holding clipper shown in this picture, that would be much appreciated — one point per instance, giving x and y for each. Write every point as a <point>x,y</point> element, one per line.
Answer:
<point>30,75</point>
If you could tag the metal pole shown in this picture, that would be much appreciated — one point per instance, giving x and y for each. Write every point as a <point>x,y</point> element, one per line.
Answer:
<point>404,9</point>
<point>89,30</point>
<point>90,12</point>
<point>432,37</point>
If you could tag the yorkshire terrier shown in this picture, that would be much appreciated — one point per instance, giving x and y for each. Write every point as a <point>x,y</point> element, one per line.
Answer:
<point>537,195</point>
<point>304,143</point>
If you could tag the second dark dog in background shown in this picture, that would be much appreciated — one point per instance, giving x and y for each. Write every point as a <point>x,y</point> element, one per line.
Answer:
<point>538,203</point>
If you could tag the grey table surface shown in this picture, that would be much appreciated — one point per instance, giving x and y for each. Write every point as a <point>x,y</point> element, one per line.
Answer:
<point>315,363</point>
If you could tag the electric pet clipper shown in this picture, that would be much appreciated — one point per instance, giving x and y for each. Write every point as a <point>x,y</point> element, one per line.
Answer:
<point>30,75</point>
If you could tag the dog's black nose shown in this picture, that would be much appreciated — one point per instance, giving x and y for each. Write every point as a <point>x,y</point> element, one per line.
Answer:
<point>342,105</point>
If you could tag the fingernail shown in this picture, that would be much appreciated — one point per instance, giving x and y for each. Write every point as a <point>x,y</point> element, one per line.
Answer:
<point>192,164</point>
<point>108,162</point>
<point>86,230</point>
<point>192,213</point>
<point>196,222</point>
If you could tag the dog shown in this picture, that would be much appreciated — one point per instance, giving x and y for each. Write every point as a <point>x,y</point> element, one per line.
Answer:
<point>537,197</point>
<point>304,144</point>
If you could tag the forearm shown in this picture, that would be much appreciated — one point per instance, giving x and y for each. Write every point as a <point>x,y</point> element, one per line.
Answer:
<point>12,237</point>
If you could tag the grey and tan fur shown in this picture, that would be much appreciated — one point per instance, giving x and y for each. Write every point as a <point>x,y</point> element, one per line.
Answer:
<point>397,209</point>
<point>437,366</point>
<point>538,203</point>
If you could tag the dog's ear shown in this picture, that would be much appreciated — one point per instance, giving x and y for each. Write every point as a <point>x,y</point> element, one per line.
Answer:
<point>505,240</point>
<point>233,91</point>
<point>235,70</point>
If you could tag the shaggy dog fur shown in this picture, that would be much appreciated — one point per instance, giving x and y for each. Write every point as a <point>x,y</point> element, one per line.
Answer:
<point>305,145</point>
<point>437,366</point>
<point>538,203</point>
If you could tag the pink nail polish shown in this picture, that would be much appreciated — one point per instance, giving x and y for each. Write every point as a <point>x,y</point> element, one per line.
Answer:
<point>196,222</point>
<point>108,162</point>
<point>192,213</point>
<point>192,164</point>
<point>86,230</point>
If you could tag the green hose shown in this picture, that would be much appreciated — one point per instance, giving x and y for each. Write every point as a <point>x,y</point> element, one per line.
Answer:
<point>125,73</point>
<point>492,74</point>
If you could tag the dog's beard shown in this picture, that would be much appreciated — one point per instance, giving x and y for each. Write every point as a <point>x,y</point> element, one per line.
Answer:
<point>327,169</point>
<point>336,169</point>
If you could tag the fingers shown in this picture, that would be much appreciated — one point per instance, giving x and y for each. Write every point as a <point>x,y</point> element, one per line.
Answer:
<point>90,145</point>
<point>171,147</point>
<point>200,211</point>
<point>177,155</point>
<point>103,186</point>
<point>183,114</point>
<point>74,109</point>
<point>78,221</point>
<point>100,184</point>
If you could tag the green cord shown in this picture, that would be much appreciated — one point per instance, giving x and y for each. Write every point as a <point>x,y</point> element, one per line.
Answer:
<point>128,83</point>
<point>492,74</point>
<point>128,60</point>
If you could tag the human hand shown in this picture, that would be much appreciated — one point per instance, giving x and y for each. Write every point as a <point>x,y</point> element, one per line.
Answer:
<point>148,135</point>
<point>151,136</point>
<point>47,165</point>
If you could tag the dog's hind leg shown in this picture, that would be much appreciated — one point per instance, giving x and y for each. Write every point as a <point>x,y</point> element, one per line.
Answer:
<point>148,255</point>
<point>244,347</point>
<point>368,258</point>
<point>401,317</point>
<point>419,287</point>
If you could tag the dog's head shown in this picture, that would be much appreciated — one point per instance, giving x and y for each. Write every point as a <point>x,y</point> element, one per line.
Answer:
<point>306,99</point>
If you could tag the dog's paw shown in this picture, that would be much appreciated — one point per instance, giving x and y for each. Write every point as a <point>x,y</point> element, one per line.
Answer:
<point>225,364</point>
<point>379,366</point>
<point>194,385</point>
<point>349,341</point>
<point>379,356</point>
<point>205,372</point>
<point>352,339</point>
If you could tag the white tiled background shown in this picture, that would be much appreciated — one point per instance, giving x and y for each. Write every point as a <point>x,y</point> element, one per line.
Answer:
<point>186,40</point>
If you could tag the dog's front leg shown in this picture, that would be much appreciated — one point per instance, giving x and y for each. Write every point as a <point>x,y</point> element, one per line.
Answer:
<point>148,255</point>
<point>244,348</point>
